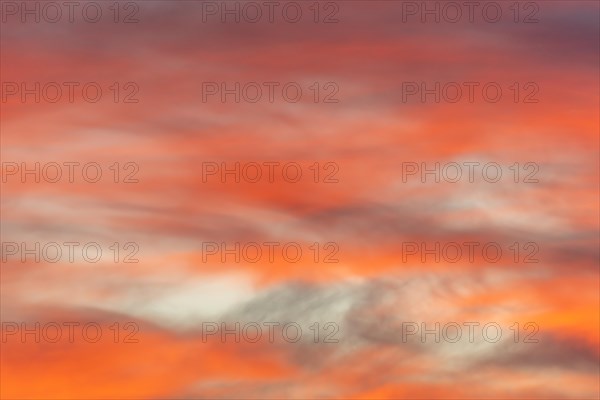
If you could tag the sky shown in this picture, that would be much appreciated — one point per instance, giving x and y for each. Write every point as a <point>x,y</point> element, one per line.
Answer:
<point>299,200</point>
